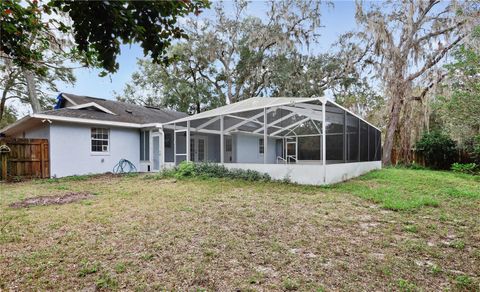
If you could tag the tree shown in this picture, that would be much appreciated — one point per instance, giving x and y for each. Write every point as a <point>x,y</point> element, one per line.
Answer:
<point>227,59</point>
<point>9,117</point>
<point>18,84</point>
<point>34,85</point>
<point>438,148</point>
<point>460,107</point>
<point>177,86</point>
<point>406,44</point>
<point>234,53</point>
<point>98,27</point>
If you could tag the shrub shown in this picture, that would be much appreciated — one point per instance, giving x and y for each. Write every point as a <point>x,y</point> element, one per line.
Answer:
<point>185,169</point>
<point>213,170</point>
<point>470,168</point>
<point>438,148</point>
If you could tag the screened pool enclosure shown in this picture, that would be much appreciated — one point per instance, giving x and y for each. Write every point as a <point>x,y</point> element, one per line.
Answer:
<point>306,140</point>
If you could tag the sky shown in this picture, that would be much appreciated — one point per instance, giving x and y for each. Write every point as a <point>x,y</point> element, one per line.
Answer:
<point>336,21</point>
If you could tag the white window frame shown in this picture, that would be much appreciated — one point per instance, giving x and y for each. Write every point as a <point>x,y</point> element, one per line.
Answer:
<point>107,152</point>
<point>145,148</point>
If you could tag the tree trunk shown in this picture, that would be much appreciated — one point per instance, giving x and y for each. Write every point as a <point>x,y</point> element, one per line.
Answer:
<point>32,92</point>
<point>198,107</point>
<point>2,104</point>
<point>398,93</point>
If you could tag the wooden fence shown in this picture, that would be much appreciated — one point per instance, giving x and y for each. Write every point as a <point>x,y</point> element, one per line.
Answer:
<point>26,158</point>
<point>419,158</point>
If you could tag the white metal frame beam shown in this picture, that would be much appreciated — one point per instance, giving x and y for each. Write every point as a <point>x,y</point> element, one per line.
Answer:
<point>276,122</point>
<point>187,142</point>
<point>247,120</point>
<point>222,141</point>
<point>291,126</point>
<point>208,123</point>
<point>304,112</point>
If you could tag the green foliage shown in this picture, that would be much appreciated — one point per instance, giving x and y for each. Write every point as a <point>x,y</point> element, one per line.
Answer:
<point>406,286</point>
<point>8,117</point>
<point>88,268</point>
<point>439,149</point>
<point>185,169</point>
<point>106,281</point>
<point>170,86</point>
<point>18,24</point>
<point>290,284</point>
<point>465,282</point>
<point>231,57</point>
<point>459,106</point>
<point>470,168</point>
<point>210,170</point>
<point>99,28</point>
<point>472,147</point>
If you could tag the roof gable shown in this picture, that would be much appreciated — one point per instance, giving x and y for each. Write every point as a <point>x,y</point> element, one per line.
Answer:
<point>92,105</point>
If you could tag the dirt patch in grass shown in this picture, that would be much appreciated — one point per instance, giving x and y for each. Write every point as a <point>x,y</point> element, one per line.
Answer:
<point>52,200</point>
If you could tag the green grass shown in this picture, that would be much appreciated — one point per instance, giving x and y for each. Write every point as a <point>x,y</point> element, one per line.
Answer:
<point>394,229</point>
<point>406,189</point>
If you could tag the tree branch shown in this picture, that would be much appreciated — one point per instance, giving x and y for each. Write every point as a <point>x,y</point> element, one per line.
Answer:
<point>435,59</point>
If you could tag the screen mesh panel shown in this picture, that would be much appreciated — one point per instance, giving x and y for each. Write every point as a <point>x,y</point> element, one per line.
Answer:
<point>371,142</point>
<point>363,141</point>
<point>309,148</point>
<point>352,138</point>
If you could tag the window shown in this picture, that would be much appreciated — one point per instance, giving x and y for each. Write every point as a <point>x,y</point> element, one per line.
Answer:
<point>100,140</point>
<point>228,145</point>
<point>168,140</point>
<point>261,148</point>
<point>144,145</point>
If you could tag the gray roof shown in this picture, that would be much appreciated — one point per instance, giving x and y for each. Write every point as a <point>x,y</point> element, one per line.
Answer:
<point>123,112</point>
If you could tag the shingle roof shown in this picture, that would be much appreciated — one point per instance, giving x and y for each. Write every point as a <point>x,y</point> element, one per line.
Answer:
<point>124,112</point>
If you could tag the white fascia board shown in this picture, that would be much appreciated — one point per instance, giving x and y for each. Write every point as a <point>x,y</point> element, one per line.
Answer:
<point>16,123</point>
<point>87,121</point>
<point>93,104</point>
<point>152,125</point>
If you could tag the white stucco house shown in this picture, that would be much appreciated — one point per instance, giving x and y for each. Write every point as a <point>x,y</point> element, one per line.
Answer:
<point>307,140</point>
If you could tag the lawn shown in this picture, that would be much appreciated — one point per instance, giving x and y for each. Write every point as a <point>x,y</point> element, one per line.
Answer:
<point>394,229</point>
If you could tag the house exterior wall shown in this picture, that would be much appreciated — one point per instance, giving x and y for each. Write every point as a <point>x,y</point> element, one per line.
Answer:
<point>213,148</point>
<point>40,132</point>
<point>245,149</point>
<point>70,149</point>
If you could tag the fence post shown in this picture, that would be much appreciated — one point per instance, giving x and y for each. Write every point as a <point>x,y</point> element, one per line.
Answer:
<point>42,159</point>
<point>4,165</point>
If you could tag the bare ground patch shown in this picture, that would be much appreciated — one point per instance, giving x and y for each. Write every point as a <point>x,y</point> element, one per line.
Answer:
<point>52,200</point>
